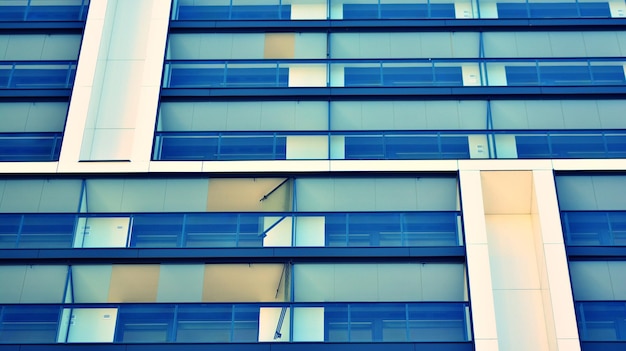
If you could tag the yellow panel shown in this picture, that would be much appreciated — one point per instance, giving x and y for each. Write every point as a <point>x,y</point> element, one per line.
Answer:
<point>249,195</point>
<point>134,283</point>
<point>244,282</point>
<point>279,45</point>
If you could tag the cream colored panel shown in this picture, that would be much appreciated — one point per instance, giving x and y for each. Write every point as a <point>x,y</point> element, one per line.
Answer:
<point>105,232</point>
<point>180,283</point>
<point>244,282</point>
<point>44,284</point>
<point>471,74</point>
<point>310,231</point>
<point>307,147</point>
<point>618,8</point>
<point>12,278</point>
<point>249,194</point>
<point>91,283</point>
<point>463,10</point>
<point>108,144</point>
<point>268,324</point>
<point>279,45</point>
<point>478,146</point>
<point>134,283</point>
<point>521,324</point>
<point>305,75</point>
<point>507,192</point>
<point>308,11</point>
<point>308,324</point>
<point>280,232</point>
<point>92,325</point>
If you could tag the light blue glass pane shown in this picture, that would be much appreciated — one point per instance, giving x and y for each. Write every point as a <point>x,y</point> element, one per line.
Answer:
<point>602,321</point>
<point>28,324</point>
<point>431,229</point>
<point>9,227</point>
<point>47,231</point>
<point>144,323</point>
<point>204,323</point>
<point>437,322</point>
<point>586,228</point>
<point>156,230</point>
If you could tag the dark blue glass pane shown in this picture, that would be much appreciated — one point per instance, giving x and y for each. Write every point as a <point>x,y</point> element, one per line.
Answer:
<point>5,72</point>
<point>580,146</point>
<point>553,10</point>
<point>28,324</point>
<point>364,147</point>
<point>431,229</point>
<point>454,147</point>
<point>521,75</point>
<point>378,322</point>
<point>252,148</point>
<point>54,13</point>
<point>564,75</point>
<point>616,146</point>
<point>586,228</point>
<point>196,77</point>
<point>413,147</point>
<point>360,11</point>
<point>211,230</point>
<point>47,231</point>
<point>246,324</point>
<point>362,76</point>
<point>335,228</point>
<point>374,229</point>
<point>437,322</point>
<point>32,78</point>
<point>618,227</point>
<point>512,10</point>
<point>144,323</point>
<point>257,77</point>
<point>422,76</point>
<point>252,12</point>
<point>12,13</point>
<point>188,147</point>
<point>251,229</point>
<point>204,323</point>
<point>156,230</point>
<point>449,76</point>
<point>191,13</point>
<point>602,321</point>
<point>532,146</point>
<point>24,148</point>
<point>9,227</point>
<point>608,75</point>
<point>594,9</point>
<point>336,323</point>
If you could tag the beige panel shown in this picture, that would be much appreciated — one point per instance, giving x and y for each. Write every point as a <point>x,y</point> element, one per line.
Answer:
<point>244,283</point>
<point>249,195</point>
<point>279,45</point>
<point>134,283</point>
<point>507,192</point>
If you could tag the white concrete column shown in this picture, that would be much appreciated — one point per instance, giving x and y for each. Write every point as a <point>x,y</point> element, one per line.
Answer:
<point>478,265</point>
<point>114,103</point>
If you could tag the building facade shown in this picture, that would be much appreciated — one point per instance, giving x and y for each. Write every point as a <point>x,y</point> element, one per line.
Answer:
<point>276,175</point>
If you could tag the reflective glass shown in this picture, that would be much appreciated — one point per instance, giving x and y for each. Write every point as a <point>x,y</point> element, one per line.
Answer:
<point>601,321</point>
<point>47,231</point>
<point>30,147</point>
<point>9,229</point>
<point>156,230</point>
<point>144,323</point>
<point>437,322</point>
<point>22,324</point>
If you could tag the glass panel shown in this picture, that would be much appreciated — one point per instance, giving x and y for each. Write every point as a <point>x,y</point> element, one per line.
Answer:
<point>156,230</point>
<point>246,323</point>
<point>615,145</point>
<point>147,323</point>
<point>586,228</point>
<point>204,323</point>
<point>9,228</point>
<point>617,221</point>
<point>437,322</point>
<point>29,324</point>
<point>187,147</point>
<point>553,10</point>
<point>602,321</point>
<point>29,147</point>
<point>47,231</point>
<point>577,146</point>
<point>431,229</point>
<point>532,146</point>
<point>337,323</point>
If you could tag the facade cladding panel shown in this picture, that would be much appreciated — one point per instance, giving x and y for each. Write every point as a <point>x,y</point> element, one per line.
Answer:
<point>277,175</point>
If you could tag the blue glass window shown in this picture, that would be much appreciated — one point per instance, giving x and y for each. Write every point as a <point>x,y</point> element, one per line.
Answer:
<point>564,75</point>
<point>416,147</point>
<point>144,323</point>
<point>601,321</point>
<point>228,77</point>
<point>403,76</point>
<point>217,323</point>
<point>77,12</point>
<point>30,147</point>
<point>27,76</point>
<point>223,230</point>
<point>156,230</point>
<point>553,9</point>
<point>37,231</point>
<point>29,324</point>
<point>9,229</point>
<point>398,11</point>
<point>227,147</point>
<point>595,228</point>
<point>240,12</point>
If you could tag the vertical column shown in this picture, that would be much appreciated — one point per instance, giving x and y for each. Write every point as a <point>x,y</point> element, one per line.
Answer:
<point>478,265</point>
<point>556,287</point>
<point>114,103</point>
